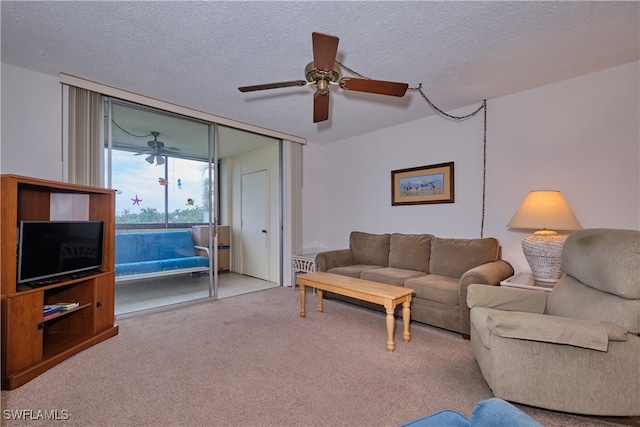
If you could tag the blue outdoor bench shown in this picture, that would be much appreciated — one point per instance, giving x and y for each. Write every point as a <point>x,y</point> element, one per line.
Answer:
<point>143,255</point>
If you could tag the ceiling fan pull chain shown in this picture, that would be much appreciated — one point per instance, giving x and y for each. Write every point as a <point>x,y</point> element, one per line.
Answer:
<point>129,133</point>
<point>432,105</point>
<point>419,89</point>
<point>355,73</point>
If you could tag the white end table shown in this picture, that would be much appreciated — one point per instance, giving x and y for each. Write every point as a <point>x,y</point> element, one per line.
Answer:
<point>526,281</point>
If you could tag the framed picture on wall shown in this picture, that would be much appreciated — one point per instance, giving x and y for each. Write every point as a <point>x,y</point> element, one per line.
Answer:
<point>422,185</point>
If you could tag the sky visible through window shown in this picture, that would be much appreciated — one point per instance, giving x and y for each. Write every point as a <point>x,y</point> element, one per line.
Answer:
<point>141,186</point>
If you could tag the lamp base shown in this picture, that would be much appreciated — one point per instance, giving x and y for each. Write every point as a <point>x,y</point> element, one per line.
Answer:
<point>543,251</point>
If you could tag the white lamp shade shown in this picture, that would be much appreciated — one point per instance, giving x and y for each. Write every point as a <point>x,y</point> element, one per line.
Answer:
<point>545,209</point>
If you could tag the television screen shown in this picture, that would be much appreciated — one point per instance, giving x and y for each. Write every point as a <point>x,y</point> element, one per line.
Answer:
<point>49,249</point>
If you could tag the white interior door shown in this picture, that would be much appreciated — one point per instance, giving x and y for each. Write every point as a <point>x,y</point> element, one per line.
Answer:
<point>255,224</point>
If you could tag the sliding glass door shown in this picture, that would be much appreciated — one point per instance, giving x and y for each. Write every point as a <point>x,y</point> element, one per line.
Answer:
<point>163,169</point>
<point>175,173</point>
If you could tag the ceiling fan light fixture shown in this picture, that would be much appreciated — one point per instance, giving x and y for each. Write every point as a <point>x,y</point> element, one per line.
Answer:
<point>323,87</point>
<point>323,71</point>
<point>150,159</point>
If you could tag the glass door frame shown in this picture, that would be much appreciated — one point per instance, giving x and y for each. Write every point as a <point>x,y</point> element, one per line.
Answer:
<point>212,180</point>
<point>213,211</point>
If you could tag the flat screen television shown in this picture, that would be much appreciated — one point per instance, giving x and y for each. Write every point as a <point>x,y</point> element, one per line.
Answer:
<point>50,249</point>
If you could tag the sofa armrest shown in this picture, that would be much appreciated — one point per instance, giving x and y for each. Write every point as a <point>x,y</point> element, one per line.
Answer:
<point>491,273</point>
<point>331,259</point>
<point>508,299</point>
<point>202,248</point>
<point>553,329</point>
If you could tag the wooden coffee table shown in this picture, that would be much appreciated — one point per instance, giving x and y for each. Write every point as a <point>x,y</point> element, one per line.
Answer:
<point>379,293</point>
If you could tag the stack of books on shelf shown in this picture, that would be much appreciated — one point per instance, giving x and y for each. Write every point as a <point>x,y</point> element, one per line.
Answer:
<point>53,309</point>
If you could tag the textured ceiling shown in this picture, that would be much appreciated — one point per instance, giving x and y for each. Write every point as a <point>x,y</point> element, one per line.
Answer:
<point>197,54</point>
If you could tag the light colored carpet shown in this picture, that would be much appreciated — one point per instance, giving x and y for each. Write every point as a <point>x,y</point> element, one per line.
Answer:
<point>252,361</point>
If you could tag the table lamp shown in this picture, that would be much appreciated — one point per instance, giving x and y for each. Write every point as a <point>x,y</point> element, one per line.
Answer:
<point>544,211</point>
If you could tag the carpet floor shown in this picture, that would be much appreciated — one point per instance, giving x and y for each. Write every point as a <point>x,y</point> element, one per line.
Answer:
<point>251,360</point>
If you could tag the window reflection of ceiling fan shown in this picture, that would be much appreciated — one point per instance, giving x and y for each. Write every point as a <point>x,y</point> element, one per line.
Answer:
<point>157,151</point>
<point>323,71</point>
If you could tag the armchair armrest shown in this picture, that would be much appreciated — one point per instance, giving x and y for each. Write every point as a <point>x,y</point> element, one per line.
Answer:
<point>488,275</point>
<point>553,329</point>
<point>508,299</point>
<point>331,259</point>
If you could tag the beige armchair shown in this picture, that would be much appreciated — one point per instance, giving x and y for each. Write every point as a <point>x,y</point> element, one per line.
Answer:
<point>576,349</point>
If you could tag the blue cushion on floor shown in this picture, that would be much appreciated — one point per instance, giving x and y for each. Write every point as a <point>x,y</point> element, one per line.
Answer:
<point>446,418</point>
<point>496,412</point>
<point>492,412</point>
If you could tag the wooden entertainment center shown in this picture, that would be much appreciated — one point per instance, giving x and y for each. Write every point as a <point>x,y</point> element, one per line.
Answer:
<point>31,343</point>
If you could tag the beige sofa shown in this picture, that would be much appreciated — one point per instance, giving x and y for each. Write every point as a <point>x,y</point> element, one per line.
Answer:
<point>576,349</point>
<point>438,269</point>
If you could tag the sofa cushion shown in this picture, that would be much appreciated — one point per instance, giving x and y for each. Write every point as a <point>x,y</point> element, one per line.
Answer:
<point>352,270</point>
<point>453,257</point>
<point>442,289</point>
<point>410,251</point>
<point>371,249</point>
<point>604,259</point>
<point>390,276</point>
<point>153,246</point>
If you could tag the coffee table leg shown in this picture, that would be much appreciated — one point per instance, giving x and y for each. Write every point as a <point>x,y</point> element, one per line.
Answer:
<point>303,296</point>
<point>406,318</point>
<point>391,345</point>
<point>320,308</point>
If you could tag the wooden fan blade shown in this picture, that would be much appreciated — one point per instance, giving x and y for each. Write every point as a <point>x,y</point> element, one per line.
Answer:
<point>320,107</point>
<point>272,85</point>
<point>374,86</point>
<point>325,48</point>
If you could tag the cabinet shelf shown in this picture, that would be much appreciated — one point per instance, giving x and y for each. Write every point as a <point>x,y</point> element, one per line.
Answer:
<point>57,343</point>
<point>63,313</point>
<point>31,343</point>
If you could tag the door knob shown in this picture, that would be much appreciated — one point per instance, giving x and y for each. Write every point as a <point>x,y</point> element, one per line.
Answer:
<point>264,231</point>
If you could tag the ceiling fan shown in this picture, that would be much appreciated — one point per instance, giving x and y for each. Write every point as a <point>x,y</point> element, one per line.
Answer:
<point>323,71</point>
<point>157,151</point>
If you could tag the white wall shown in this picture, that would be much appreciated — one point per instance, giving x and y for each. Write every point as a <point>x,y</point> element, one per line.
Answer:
<point>579,136</point>
<point>31,133</point>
